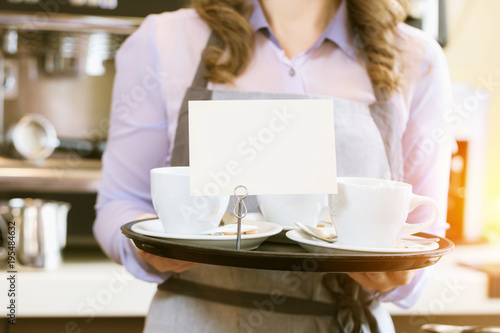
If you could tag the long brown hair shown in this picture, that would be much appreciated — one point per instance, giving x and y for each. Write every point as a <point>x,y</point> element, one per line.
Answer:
<point>373,22</point>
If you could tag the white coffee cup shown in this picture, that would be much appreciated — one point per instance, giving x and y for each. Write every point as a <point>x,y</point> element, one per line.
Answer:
<point>286,210</point>
<point>179,212</point>
<point>368,212</point>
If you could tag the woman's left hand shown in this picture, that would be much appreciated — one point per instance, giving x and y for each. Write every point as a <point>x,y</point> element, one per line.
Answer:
<point>383,281</point>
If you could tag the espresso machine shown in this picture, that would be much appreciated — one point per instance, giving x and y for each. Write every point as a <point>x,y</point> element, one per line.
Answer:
<point>56,77</point>
<point>58,64</point>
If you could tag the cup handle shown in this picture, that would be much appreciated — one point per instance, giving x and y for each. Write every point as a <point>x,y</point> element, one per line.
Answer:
<point>412,228</point>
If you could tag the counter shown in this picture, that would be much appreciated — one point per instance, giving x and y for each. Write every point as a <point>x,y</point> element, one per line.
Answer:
<point>88,285</point>
<point>68,173</point>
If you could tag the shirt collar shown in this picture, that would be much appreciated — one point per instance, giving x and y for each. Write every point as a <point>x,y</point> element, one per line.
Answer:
<point>338,31</point>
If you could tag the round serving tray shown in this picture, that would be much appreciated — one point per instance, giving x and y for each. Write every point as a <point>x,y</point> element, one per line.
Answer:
<point>289,257</point>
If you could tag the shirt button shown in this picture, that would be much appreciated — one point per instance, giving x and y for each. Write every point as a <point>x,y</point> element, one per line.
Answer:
<point>292,72</point>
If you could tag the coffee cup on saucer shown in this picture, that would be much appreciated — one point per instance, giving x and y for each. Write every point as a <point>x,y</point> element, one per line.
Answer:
<point>288,209</point>
<point>178,211</point>
<point>369,212</point>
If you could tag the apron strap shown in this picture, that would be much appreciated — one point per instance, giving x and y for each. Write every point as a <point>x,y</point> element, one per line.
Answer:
<point>243,299</point>
<point>384,115</point>
<point>380,95</point>
<point>199,78</point>
<point>197,91</point>
<point>350,307</point>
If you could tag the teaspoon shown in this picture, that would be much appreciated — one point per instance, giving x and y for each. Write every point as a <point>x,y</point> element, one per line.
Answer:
<point>331,238</point>
<point>317,233</point>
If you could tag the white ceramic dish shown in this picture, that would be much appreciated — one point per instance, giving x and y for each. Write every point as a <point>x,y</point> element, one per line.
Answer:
<point>154,228</point>
<point>313,245</point>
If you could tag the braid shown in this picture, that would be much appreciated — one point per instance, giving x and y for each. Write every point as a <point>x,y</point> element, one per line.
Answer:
<point>228,19</point>
<point>374,24</point>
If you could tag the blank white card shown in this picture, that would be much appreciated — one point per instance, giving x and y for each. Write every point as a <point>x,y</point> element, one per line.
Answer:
<point>268,146</point>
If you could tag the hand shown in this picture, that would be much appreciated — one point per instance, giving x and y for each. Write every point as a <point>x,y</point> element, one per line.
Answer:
<point>383,281</point>
<point>162,264</point>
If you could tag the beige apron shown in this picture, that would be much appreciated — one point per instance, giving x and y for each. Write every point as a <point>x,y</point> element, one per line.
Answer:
<point>225,299</point>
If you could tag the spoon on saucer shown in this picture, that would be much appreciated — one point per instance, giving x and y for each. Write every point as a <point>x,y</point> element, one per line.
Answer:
<point>317,233</point>
<point>331,238</point>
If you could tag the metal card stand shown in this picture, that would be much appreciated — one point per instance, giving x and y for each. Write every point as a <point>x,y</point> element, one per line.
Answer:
<point>240,211</point>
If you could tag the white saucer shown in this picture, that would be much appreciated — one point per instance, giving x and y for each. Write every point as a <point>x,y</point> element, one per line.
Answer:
<point>281,236</point>
<point>311,244</point>
<point>154,228</point>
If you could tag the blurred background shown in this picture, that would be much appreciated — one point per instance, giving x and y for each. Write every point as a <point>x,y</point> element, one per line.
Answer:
<point>472,51</point>
<point>56,75</point>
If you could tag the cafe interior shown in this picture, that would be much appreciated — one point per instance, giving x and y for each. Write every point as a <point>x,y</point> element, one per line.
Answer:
<point>56,81</point>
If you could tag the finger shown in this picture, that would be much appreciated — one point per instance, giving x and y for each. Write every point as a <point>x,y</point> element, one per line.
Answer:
<point>402,278</point>
<point>373,281</point>
<point>165,264</point>
<point>184,267</point>
<point>175,266</point>
<point>383,281</point>
<point>363,280</point>
<point>145,216</point>
<point>377,277</point>
<point>162,264</point>
<point>143,255</point>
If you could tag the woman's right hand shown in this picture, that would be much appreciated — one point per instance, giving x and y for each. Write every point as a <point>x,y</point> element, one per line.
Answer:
<point>162,264</point>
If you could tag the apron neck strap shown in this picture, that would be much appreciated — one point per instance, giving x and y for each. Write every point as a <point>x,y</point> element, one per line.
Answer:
<point>380,95</point>
<point>214,40</point>
<point>199,78</point>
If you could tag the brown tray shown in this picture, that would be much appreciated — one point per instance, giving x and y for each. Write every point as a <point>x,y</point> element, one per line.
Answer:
<point>289,257</point>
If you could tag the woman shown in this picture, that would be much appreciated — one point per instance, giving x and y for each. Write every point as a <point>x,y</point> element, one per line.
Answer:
<point>390,86</point>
